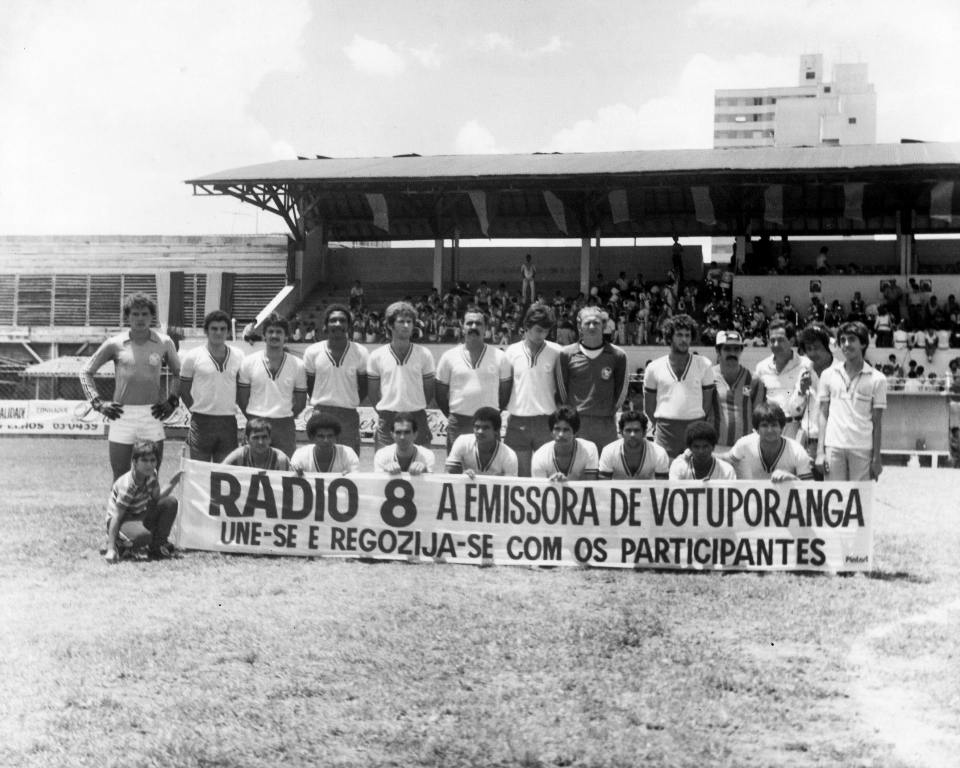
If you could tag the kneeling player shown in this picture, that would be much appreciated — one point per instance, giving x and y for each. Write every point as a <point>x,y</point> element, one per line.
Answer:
<point>766,454</point>
<point>404,455</point>
<point>139,513</point>
<point>258,452</point>
<point>567,457</point>
<point>701,464</point>
<point>632,457</point>
<point>482,453</point>
<point>324,456</point>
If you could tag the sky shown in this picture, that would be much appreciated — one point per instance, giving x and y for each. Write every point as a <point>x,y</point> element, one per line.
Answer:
<point>108,106</point>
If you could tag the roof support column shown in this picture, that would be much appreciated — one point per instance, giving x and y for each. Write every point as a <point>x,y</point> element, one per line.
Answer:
<point>438,264</point>
<point>585,266</point>
<point>905,245</point>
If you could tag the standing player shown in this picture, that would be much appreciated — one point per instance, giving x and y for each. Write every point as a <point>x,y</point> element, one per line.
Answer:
<point>138,407</point>
<point>781,372</point>
<point>678,387</point>
<point>258,453</point>
<point>567,457</point>
<point>592,378</point>
<point>401,377</point>
<point>534,394</point>
<point>273,385</point>
<point>737,393</point>
<point>853,397</point>
<point>701,438</point>
<point>337,374</point>
<point>208,386</point>
<point>528,276</point>
<point>815,341</point>
<point>471,376</point>
<point>482,453</point>
<point>633,457</point>
<point>404,455</point>
<point>324,455</point>
<point>767,454</point>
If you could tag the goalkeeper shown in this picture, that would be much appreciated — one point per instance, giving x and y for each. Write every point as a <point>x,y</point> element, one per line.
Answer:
<point>139,406</point>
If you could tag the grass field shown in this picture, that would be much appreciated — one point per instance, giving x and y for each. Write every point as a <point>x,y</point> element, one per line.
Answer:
<point>213,660</point>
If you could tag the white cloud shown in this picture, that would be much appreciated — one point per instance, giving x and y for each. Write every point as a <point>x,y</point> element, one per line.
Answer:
<point>373,58</point>
<point>494,41</point>
<point>474,139</point>
<point>556,45</point>
<point>109,106</point>
<point>681,118</point>
<point>428,57</point>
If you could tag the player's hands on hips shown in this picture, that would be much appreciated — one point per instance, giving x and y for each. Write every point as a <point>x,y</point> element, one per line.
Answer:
<point>165,408</point>
<point>111,410</point>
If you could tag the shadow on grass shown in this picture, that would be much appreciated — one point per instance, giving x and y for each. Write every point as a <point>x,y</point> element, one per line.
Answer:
<point>910,578</point>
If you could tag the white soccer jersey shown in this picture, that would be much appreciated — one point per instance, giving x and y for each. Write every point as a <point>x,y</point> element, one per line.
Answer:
<point>654,461</point>
<point>782,386</point>
<point>680,399</point>
<point>386,456</point>
<point>401,379</point>
<point>335,382</point>
<point>473,385</point>
<point>464,455</point>
<point>271,395</point>
<point>681,469</point>
<point>534,379</point>
<point>344,460</point>
<point>213,386</point>
<point>852,402</point>
<point>544,462</point>
<point>749,464</point>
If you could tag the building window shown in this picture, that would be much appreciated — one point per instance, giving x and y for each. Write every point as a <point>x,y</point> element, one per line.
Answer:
<point>740,119</point>
<point>811,75</point>
<point>826,89</point>
<point>852,121</point>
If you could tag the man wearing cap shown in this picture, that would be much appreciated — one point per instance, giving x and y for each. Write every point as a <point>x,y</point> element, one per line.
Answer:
<point>781,372</point>
<point>737,393</point>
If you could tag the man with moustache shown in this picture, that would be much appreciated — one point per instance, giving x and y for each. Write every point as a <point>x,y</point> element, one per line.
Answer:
<point>471,376</point>
<point>592,378</point>
<point>401,377</point>
<point>678,387</point>
<point>337,375</point>
<point>737,392</point>
<point>780,373</point>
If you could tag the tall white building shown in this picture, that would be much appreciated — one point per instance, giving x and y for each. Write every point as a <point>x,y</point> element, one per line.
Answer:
<point>813,113</point>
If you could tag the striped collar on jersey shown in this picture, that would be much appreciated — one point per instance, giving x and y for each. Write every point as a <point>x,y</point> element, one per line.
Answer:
<point>623,458</point>
<point>573,456</point>
<point>493,457</point>
<point>464,352</point>
<point>221,367</point>
<point>768,468</point>
<point>266,365</point>
<point>331,358</point>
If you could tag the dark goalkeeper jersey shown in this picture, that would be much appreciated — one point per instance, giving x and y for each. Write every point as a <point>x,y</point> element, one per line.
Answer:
<point>597,386</point>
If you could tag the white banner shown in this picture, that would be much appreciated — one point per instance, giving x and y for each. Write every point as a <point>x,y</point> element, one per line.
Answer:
<point>513,521</point>
<point>50,417</point>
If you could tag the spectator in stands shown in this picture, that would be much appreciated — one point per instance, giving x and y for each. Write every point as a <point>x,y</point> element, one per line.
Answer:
<point>356,296</point>
<point>482,453</point>
<point>781,372</point>
<point>955,446</point>
<point>834,315</point>
<point>700,438</point>
<point>853,396</point>
<point>592,377</point>
<point>208,386</point>
<point>823,265</point>
<point>678,387</point>
<point>737,392</point>
<point>790,313</point>
<point>566,457</point>
<point>471,376</point>
<point>766,454</point>
<point>857,309</point>
<point>139,405</point>
<point>324,456</point>
<point>676,258</point>
<point>931,340</point>
<point>139,512</point>
<point>883,325</point>
<point>257,452</point>
<point>401,377</point>
<point>272,384</point>
<point>337,375</point>
<point>785,257</point>
<point>528,278</point>
<point>407,452</point>
<point>914,302</point>
<point>296,335</point>
<point>311,335</point>
<point>892,295</point>
<point>815,341</point>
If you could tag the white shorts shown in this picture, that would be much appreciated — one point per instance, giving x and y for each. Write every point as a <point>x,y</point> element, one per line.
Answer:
<point>136,423</point>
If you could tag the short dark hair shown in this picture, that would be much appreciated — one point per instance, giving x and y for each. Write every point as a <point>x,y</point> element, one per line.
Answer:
<point>701,430</point>
<point>538,314</point>
<point>769,412</point>
<point>407,418</point>
<point>277,321</point>
<point>489,414</point>
<point>218,315</point>
<point>139,301</point>
<point>627,416</point>
<point>321,420</point>
<point>338,308</point>
<point>855,328</point>
<point>565,413</point>
<point>258,425</point>
<point>788,328</point>
<point>814,332</point>
<point>143,448</point>
<point>679,323</point>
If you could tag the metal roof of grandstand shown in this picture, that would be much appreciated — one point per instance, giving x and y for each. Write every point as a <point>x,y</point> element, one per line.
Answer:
<point>665,161</point>
<point>853,190</point>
